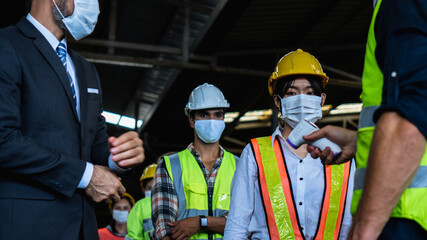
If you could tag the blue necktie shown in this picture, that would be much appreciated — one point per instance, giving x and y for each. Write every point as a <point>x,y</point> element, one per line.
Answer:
<point>61,50</point>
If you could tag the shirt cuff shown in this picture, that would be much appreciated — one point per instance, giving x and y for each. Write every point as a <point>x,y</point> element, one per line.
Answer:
<point>87,175</point>
<point>114,167</point>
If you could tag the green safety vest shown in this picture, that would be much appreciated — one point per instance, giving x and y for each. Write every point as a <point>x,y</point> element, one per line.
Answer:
<point>413,203</point>
<point>139,222</point>
<point>191,188</point>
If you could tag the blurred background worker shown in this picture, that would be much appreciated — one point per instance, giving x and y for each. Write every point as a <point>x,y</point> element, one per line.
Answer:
<point>139,223</point>
<point>390,192</point>
<point>116,230</point>
<point>191,189</point>
<point>279,192</point>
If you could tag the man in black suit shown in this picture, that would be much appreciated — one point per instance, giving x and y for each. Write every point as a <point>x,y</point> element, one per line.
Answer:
<point>54,150</point>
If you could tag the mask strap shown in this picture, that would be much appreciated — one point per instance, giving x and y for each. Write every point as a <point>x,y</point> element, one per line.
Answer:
<point>280,108</point>
<point>58,9</point>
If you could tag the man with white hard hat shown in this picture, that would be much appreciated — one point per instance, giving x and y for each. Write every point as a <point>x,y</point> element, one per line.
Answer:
<point>191,188</point>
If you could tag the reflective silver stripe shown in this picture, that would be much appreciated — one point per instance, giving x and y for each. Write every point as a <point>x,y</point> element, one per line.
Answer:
<point>197,212</point>
<point>366,118</point>
<point>148,225</point>
<point>359,178</point>
<point>419,181</point>
<point>193,212</point>
<point>179,187</point>
<point>205,238</point>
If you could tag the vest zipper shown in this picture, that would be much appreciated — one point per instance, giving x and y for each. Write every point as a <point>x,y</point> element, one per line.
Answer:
<point>210,211</point>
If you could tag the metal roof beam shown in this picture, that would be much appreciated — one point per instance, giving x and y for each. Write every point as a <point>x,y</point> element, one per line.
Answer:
<point>150,62</point>
<point>242,52</point>
<point>213,14</point>
<point>141,47</point>
<point>342,73</point>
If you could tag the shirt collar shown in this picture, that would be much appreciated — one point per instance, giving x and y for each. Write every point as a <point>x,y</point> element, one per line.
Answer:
<point>277,133</point>
<point>53,41</point>
<point>193,151</point>
<point>115,233</point>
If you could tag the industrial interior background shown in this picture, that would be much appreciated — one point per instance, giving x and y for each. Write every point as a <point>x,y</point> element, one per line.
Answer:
<point>150,54</point>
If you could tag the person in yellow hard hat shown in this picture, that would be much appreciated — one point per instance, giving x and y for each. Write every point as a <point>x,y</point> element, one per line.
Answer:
<point>116,230</point>
<point>279,192</point>
<point>139,223</point>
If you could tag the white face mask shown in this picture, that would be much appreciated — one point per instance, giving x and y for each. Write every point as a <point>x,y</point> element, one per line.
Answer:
<point>299,107</point>
<point>120,216</point>
<point>84,18</point>
<point>147,193</point>
<point>209,131</point>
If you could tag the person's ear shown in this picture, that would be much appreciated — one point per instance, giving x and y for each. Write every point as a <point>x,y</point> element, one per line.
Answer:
<point>191,121</point>
<point>277,101</point>
<point>323,95</point>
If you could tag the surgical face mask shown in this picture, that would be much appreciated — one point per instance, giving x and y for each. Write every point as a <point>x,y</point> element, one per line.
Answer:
<point>209,131</point>
<point>299,107</point>
<point>84,18</point>
<point>147,193</point>
<point>120,216</point>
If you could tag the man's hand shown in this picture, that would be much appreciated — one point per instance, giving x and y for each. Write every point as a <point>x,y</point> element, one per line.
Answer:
<point>104,185</point>
<point>345,138</point>
<point>185,228</point>
<point>127,150</point>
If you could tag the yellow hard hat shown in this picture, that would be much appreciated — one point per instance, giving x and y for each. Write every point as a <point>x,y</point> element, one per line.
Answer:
<point>148,172</point>
<point>125,195</point>
<point>296,63</point>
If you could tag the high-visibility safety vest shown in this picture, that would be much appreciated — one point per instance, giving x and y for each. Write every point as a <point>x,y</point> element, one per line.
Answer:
<point>192,190</point>
<point>279,203</point>
<point>139,222</point>
<point>413,203</point>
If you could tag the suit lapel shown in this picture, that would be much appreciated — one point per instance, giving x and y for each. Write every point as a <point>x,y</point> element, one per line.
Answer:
<point>82,91</point>
<point>51,57</point>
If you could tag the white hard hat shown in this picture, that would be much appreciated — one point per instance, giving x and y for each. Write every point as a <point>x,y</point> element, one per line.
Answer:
<point>205,96</point>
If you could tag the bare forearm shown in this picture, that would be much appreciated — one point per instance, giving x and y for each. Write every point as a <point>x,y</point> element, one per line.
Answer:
<point>187,227</point>
<point>396,151</point>
<point>216,224</point>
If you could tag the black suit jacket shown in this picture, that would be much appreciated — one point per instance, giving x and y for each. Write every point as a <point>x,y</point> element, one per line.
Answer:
<point>43,145</point>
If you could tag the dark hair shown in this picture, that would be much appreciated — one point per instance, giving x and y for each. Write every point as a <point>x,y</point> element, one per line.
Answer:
<point>283,84</point>
<point>129,200</point>
<point>122,197</point>
<point>145,181</point>
<point>193,112</point>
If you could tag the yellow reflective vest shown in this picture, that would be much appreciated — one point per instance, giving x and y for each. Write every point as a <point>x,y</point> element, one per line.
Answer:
<point>191,188</point>
<point>139,222</point>
<point>413,203</point>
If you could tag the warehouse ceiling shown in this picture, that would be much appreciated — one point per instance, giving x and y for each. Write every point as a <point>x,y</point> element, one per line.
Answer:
<point>150,54</point>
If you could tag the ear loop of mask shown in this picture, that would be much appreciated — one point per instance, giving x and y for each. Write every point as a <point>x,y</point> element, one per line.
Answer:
<point>58,9</point>
<point>280,108</point>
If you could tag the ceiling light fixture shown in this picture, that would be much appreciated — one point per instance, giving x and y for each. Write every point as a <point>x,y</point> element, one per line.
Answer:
<point>346,108</point>
<point>123,121</point>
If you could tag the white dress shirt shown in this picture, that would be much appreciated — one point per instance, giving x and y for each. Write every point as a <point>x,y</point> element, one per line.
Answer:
<point>53,41</point>
<point>247,216</point>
